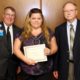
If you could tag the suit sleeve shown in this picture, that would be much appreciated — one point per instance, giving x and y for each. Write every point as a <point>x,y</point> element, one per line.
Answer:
<point>56,55</point>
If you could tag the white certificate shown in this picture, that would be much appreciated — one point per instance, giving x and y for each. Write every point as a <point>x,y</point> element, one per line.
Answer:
<point>35,52</point>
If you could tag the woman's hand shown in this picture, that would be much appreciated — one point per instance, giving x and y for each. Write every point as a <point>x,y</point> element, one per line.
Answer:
<point>30,61</point>
<point>47,51</point>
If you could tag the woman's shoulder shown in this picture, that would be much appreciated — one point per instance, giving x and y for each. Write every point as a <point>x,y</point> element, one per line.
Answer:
<point>20,37</point>
<point>51,32</point>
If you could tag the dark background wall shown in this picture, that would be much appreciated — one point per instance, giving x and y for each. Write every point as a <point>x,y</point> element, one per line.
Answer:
<point>52,10</point>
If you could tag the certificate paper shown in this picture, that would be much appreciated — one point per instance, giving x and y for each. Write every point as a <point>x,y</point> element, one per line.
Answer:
<point>35,52</point>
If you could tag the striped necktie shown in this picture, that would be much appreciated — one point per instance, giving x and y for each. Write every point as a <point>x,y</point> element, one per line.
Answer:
<point>72,34</point>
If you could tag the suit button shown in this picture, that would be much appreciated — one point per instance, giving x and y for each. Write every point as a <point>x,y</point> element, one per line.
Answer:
<point>67,60</point>
<point>67,51</point>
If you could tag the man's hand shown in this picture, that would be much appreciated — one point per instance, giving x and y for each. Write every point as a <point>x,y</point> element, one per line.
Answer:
<point>56,74</point>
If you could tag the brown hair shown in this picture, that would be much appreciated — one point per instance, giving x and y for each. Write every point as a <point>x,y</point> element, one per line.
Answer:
<point>11,8</point>
<point>27,27</point>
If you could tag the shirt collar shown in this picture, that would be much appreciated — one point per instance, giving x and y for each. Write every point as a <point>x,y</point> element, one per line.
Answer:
<point>7,27</point>
<point>74,23</point>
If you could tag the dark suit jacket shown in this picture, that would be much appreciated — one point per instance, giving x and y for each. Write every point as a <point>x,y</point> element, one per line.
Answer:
<point>62,56</point>
<point>4,54</point>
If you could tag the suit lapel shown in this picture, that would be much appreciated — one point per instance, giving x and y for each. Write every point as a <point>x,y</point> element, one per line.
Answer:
<point>4,33</point>
<point>13,28</point>
<point>65,37</point>
<point>77,34</point>
<point>14,32</point>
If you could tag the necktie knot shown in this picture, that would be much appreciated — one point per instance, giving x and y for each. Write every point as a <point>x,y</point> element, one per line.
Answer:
<point>71,27</point>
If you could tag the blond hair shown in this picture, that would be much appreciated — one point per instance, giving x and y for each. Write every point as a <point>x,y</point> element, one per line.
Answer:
<point>27,26</point>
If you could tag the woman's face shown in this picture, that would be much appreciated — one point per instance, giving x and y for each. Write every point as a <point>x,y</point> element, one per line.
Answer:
<point>36,20</point>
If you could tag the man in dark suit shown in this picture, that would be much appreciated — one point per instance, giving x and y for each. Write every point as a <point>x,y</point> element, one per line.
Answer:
<point>8,61</point>
<point>68,41</point>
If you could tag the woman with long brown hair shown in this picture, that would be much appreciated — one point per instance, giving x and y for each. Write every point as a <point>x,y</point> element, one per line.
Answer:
<point>36,32</point>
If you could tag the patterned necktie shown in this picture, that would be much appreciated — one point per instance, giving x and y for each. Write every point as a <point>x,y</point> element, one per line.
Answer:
<point>72,34</point>
<point>9,41</point>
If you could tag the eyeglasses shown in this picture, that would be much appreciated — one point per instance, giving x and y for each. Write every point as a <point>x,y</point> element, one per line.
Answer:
<point>7,14</point>
<point>69,10</point>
